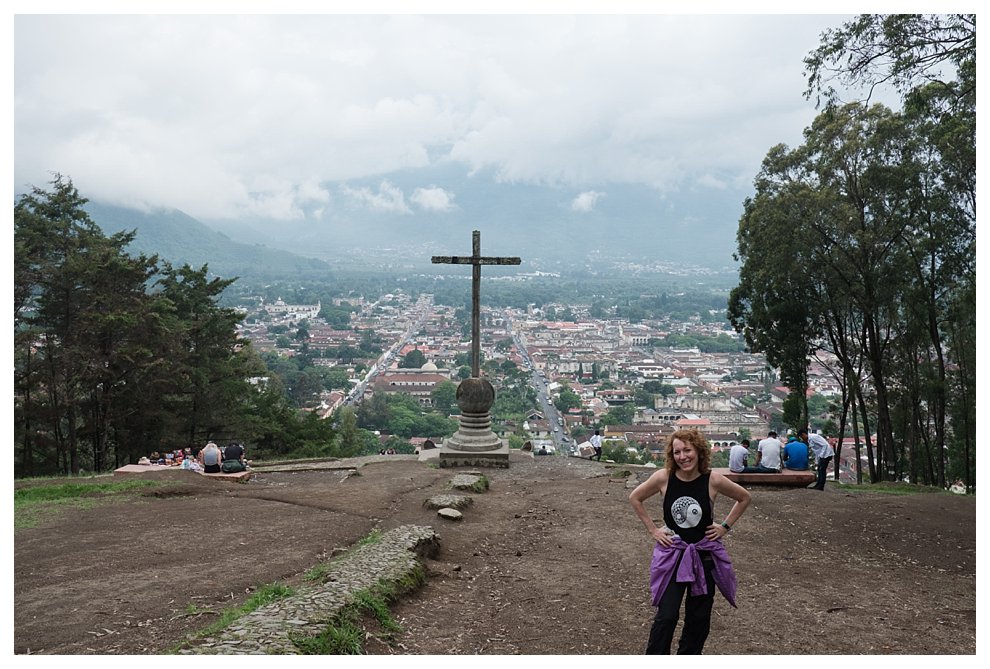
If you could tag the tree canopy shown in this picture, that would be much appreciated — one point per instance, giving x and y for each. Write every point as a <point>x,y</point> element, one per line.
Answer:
<point>861,242</point>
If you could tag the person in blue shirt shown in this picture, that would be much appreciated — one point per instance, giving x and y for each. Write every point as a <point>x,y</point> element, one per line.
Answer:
<point>795,454</point>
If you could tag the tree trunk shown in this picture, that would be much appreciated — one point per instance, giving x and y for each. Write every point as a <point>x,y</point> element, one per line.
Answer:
<point>27,452</point>
<point>859,459</point>
<point>939,400</point>
<point>870,460</point>
<point>70,417</point>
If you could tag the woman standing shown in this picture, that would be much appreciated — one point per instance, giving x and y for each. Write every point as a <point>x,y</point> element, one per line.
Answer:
<point>689,551</point>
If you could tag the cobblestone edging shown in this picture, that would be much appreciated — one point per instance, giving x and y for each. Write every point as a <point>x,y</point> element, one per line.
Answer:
<point>266,630</point>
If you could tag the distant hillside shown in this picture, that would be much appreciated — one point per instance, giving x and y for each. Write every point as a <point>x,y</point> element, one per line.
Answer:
<point>534,221</point>
<point>179,238</point>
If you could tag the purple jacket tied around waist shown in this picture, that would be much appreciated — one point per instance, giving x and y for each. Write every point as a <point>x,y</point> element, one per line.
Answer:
<point>690,570</point>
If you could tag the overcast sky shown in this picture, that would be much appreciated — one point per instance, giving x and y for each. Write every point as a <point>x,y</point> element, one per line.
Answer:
<point>270,116</point>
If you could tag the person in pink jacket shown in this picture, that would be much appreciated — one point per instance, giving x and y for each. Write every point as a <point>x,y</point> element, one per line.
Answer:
<point>689,555</point>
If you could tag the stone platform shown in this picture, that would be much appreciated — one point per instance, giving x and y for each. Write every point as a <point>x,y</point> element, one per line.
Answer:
<point>498,457</point>
<point>166,471</point>
<point>787,477</point>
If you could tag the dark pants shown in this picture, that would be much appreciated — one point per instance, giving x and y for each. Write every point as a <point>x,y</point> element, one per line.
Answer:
<point>759,469</point>
<point>822,468</point>
<point>598,454</point>
<point>697,616</point>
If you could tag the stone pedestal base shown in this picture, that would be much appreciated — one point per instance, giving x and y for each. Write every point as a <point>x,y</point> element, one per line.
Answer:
<point>452,457</point>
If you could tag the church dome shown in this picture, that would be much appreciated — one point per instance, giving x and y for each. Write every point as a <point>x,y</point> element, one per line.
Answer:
<point>429,367</point>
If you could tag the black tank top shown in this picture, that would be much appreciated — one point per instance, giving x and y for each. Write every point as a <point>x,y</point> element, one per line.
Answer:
<point>687,507</point>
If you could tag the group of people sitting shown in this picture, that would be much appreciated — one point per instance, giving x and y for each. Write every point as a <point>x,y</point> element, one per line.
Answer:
<point>209,460</point>
<point>170,458</point>
<point>772,455</point>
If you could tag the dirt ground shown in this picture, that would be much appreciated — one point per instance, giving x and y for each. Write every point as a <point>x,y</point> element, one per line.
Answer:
<point>550,560</point>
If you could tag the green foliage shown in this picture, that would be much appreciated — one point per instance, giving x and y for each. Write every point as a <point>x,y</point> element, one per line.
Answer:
<point>444,396</point>
<point>414,359</point>
<point>373,537</point>
<point>618,452</point>
<point>658,388</point>
<point>401,415</point>
<point>620,414</point>
<point>900,49</point>
<point>342,636</point>
<point>479,486</point>
<point>567,399</point>
<point>862,241</point>
<point>720,459</point>
<point>36,505</point>
<point>722,343</point>
<point>889,488</point>
<point>24,497</point>
<point>344,633</point>
<point>262,596</point>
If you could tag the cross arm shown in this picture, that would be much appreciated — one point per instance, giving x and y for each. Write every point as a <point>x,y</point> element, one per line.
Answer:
<point>472,260</point>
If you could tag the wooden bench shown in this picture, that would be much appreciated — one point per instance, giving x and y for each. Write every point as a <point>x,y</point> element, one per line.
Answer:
<point>166,471</point>
<point>786,477</point>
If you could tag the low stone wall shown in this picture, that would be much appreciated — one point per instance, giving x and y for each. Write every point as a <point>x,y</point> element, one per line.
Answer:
<point>392,558</point>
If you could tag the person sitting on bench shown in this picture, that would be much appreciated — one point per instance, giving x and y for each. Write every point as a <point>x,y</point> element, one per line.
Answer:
<point>210,458</point>
<point>795,454</point>
<point>768,455</point>
<point>233,459</point>
<point>739,460</point>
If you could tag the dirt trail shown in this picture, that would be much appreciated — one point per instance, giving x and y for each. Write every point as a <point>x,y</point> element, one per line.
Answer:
<point>552,547</point>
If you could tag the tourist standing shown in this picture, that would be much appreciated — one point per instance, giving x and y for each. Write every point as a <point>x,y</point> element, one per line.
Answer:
<point>689,489</point>
<point>823,455</point>
<point>596,443</point>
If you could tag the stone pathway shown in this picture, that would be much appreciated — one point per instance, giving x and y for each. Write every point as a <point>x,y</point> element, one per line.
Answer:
<point>392,558</point>
<point>344,463</point>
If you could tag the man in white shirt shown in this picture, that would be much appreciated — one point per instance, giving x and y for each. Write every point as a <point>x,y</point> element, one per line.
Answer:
<point>596,443</point>
<point>739,456</point>
<point>823,454</point>
<point>768,454</point>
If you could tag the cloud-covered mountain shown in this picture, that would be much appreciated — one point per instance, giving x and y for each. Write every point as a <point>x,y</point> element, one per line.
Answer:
<point>439,206</point>
<point>179,239</point>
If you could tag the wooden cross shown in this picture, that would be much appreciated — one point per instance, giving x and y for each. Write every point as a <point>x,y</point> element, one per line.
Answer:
<point>477,260</point>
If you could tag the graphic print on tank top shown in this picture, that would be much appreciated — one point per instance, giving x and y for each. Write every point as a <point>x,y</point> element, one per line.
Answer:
<point>686,512</point>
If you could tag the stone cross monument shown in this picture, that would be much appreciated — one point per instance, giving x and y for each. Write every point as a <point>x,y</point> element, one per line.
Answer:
<point>474,444</point>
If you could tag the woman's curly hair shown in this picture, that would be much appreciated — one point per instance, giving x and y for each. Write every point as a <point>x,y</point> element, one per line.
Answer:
<point>701,447</point>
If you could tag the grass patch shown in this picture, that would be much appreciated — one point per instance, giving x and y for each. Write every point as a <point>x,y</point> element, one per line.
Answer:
<point>35,505</point>
<point>345,633</point>
<point>317,573</point>
<point>373,537</point>
<point>889,488</point>
<point>265,594</point>
<point>61,491</point>
<point>479,486</point>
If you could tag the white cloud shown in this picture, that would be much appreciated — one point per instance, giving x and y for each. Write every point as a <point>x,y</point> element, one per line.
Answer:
<point>433,199</point>
<point>586,201</point>
<point>389,198</point>
<point>224,115</point>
